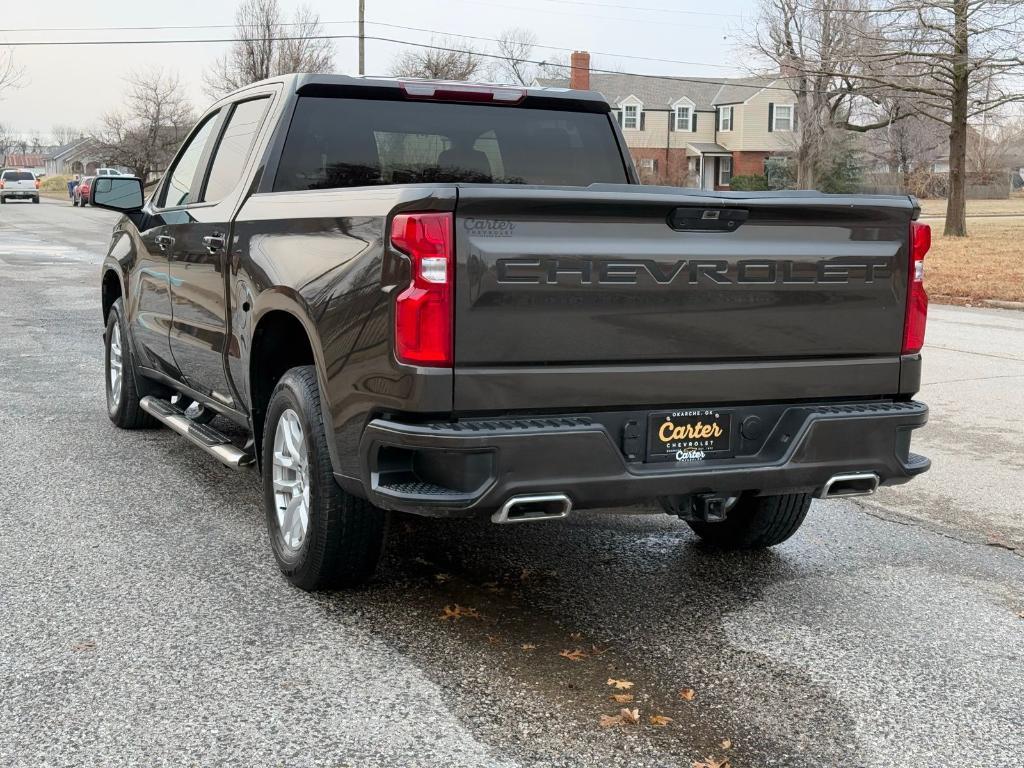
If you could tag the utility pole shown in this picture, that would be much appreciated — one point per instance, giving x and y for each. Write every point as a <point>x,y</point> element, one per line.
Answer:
<point>362,37</point>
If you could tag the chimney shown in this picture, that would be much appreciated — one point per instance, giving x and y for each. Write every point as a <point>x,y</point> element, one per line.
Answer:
<point>579,73</point>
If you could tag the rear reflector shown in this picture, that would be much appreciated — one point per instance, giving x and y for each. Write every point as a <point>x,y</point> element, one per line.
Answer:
<point>423,311</point>
<point>917,298</point>
<point>414,89</point>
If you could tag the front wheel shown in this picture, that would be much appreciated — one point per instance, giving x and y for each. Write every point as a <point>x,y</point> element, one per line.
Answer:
<point>321,536</point>
<point>123,395</point>
<point>756,522</point>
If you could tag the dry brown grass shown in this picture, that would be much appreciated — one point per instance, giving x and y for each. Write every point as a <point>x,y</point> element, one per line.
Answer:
<point>1014,204</point>
<point>987,265</point>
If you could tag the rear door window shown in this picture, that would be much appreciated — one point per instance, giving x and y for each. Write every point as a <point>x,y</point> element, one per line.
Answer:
<point>338,142</point>
<point>233,150</point>
<point>18,176</point>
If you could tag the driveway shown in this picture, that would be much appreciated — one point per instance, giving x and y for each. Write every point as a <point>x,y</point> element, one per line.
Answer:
<point>143,621</point>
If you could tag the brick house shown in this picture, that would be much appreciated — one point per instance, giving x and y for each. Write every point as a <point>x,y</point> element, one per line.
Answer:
<point>697,132</point>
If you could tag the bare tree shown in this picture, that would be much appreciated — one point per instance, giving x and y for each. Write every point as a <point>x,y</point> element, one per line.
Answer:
<point>816,45</point>
<point>11,75</point>
<point>7,141</point>
<point>267,46</point>
<point>992,145</point>
<point>146,133</point>
<point>959,59</point>
<point>65,134</point>
<point>517,57</point>
<point>451,59</point>
<point>907,146</point>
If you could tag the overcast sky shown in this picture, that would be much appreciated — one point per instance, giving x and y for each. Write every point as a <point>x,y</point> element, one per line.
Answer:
<point>77,84</point>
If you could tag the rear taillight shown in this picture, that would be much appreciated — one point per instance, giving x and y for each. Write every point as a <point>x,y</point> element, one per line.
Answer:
<point>38,184</point>
<point>423,311</point>
<point>1,184</point>
<point>917,298</point>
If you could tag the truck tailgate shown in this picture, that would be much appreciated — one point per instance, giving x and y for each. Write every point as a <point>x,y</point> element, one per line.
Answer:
<point>618,275</point>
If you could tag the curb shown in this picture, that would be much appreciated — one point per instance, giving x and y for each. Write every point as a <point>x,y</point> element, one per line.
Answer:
<point>1017,305</point>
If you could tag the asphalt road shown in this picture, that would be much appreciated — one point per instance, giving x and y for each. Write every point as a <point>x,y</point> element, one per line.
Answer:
<point>143,621</point>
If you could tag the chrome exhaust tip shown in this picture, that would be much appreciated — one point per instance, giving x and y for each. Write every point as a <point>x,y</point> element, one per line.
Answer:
<point>850,484</point>
<point>530,508</point>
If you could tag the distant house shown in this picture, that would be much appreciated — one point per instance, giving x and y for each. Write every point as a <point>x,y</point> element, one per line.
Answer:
<point>694,131</point>
<point>82,156</point>
<point>29,161</point>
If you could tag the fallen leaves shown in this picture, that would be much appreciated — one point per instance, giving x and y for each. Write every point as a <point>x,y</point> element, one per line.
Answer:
<point>622,685</point>
<point>687,694</point>
<point>440,578</point>
<point>457,612</point>
<point>710,762</point>
<point>624,717</point>
<point>660,721</point>
<point>621,698</point>
<point>528,647</point>
<point>577,636</point>
<point>575,655</point>
<point>726,744</point>
<point>85,645</point>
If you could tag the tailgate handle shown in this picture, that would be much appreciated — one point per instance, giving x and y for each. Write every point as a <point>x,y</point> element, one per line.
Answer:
<point>707,219</point>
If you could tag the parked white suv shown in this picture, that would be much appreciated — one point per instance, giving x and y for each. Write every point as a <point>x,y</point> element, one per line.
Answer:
<point>18,185</point>
<point>108,172</point>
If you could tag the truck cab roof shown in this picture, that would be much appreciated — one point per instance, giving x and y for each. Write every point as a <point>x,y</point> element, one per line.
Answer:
<point>386,87</point>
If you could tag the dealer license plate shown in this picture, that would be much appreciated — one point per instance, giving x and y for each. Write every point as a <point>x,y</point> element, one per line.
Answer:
<point>689,434</point>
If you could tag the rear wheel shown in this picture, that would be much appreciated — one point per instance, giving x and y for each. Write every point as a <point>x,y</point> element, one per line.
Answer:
<point>756,522</point>
<point>36,200</point>
<point>321,536</point>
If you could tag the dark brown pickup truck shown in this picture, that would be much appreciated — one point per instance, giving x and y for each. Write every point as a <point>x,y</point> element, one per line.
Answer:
<point>457,301</point>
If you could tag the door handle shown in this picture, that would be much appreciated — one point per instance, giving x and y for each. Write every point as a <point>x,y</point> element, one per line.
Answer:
<point>163,242</point>
<point>214,243</point>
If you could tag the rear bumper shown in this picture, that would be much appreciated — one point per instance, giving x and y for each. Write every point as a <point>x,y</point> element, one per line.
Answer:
<point>473,466</point>
<point>19,194</point>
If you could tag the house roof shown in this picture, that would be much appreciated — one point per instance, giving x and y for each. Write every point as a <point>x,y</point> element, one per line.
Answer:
<point>69,149</point>
<point>31,160</point>
<point>662,93</point>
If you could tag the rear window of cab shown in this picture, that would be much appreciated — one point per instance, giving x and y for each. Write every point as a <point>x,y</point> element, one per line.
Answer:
<point>340,142</point>
<point>18,176</point>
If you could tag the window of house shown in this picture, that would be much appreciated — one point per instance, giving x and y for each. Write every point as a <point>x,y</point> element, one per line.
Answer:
<point>682,118</point>
<point>724,171</point>
<point>648,164</point>
<point>630,116</point>
<point>783,120</point>
<point>725,118</point>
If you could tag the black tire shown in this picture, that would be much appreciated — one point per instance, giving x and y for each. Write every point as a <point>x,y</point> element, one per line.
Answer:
<point>757,522</point>
<point>344,537</point>
<point>74,202</point>
<point>3,201</point>
<point>35,200</point>
<point>126,411</point>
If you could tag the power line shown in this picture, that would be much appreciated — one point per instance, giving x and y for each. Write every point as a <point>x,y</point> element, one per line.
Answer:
<point>642,8</point>
<point>671,78</point>
<point>374,23</point>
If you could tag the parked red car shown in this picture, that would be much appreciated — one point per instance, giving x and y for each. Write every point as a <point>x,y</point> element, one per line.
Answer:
<point>82,192</point>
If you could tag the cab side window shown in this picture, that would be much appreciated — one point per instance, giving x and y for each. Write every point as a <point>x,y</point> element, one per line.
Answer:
<point>235,145</point>
<point>182,186</point>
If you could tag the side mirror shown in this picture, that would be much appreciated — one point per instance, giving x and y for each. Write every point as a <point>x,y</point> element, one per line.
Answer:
<point>117,193</point>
